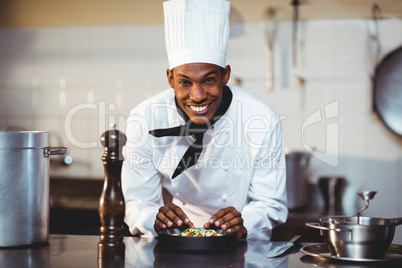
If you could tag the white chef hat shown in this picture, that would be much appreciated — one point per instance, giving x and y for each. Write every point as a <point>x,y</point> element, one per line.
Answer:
<point>196,31</point>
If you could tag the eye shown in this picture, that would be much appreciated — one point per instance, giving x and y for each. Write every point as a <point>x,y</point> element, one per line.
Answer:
<point>210,80</point>
<point>185,82</point>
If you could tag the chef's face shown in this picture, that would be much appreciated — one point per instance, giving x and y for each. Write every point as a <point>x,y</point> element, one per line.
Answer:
<point>198,88</point>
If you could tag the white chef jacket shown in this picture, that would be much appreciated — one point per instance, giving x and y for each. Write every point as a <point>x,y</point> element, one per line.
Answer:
<point>242,164</point>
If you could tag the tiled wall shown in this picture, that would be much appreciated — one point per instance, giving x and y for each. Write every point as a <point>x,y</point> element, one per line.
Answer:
<point>75,81</point>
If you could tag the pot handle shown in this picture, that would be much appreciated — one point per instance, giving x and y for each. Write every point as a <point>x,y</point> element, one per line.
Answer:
<point>397,221</point>
<point>48,151</point>
<point>318,226</point>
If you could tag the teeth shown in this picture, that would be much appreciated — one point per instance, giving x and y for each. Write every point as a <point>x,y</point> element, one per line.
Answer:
<point>199,108</point>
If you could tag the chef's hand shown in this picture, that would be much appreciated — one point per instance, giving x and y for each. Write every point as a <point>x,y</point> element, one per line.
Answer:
<point>228,219</point>
<point>171,215</point>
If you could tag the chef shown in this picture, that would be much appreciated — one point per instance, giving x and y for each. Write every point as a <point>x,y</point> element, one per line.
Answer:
<point>217,149</point>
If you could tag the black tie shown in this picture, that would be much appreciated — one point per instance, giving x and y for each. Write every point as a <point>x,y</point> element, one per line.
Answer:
<point>192,154</point>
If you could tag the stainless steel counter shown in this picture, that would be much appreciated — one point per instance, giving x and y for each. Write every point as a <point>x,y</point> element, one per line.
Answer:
<point>81,251</point>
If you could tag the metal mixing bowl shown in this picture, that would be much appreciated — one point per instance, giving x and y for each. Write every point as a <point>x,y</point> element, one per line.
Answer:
<point>357,237</point>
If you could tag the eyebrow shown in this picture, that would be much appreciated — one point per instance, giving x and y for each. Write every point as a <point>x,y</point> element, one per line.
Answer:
<point>205,75</point>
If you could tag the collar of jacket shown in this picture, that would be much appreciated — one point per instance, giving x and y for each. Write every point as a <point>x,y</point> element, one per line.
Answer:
<point>193,129</point>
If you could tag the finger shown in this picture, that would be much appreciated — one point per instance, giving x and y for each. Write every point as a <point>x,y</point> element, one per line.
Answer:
<point>239,231</point>
<point>221,213</point>
<point>177,215</point>
<point>229,219</point>
<point>233,222</point>
<point>190,224</point>
<point>184,219</point>
<point>173,216</point>
<point>163,219</point>
<point>207,225</point>
<point>158,225</point>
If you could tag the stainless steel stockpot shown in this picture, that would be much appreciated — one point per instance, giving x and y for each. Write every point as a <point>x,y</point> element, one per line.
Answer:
<point>24,187</point>
<point>357,237</point>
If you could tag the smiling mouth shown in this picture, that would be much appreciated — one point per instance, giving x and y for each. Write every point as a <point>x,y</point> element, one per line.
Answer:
<point>199,109</point>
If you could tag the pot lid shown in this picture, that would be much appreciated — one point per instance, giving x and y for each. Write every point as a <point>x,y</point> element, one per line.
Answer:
<point>23,139</point>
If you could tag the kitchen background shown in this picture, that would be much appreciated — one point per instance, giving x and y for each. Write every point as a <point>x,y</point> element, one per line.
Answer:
<point>73,69</point>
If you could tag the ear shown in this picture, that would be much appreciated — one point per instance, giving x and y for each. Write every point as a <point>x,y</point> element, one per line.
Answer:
<point>169,75</point>
<point>226,75</point>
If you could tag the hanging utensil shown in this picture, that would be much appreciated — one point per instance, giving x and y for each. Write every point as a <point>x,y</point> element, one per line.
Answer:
<point>284,39</point>
<point>302,45</point>
<point>295,4</point>
<point>270,25</point>
<point>373,51</point>
<point>387,91</point>
<point>302,85</point>
<point>301,63</point>
<point>373,43</point>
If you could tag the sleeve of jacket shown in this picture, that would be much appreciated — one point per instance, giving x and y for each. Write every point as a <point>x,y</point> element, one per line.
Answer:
<point>141,183</point>
<point>267,206</point>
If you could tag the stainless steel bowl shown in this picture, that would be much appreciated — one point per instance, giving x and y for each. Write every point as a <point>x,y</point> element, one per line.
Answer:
<point>357,237</point>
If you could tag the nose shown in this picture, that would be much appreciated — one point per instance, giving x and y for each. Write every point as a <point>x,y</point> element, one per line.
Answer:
<point>198,94</point>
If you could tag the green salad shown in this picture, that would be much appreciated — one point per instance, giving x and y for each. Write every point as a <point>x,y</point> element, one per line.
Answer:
<point>198,232</point>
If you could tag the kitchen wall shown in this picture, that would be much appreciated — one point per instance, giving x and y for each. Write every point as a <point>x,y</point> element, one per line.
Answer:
<point>75,81</point>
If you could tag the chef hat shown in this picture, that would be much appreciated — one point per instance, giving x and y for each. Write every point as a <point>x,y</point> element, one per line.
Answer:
<point>196,31</point>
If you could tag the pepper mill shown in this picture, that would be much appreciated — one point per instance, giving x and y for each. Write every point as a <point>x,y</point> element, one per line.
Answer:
<point>112,205</point>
